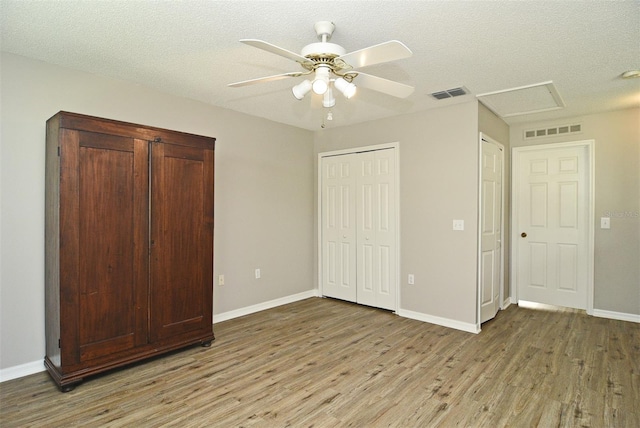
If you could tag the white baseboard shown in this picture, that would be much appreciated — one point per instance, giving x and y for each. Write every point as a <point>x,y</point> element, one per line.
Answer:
<point>265,305</point>
<point>22,370</point>
<point>445,322</point>
<point>506,303</point>
<point>621,316</point>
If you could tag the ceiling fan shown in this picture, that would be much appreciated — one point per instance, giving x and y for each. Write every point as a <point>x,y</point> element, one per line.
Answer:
<point>332,67</point>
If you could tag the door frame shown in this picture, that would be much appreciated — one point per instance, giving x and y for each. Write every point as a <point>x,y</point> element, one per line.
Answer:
<point>589,145</point>
<point>394,145</point>
<point>490,140</point>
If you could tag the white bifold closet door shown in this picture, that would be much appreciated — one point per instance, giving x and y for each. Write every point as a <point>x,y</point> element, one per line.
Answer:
<point>359,262</point>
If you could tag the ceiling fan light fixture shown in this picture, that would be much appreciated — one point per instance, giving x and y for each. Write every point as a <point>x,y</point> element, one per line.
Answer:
<point>328,100</point>
<point>348,89</point>
<point>321,82</point>
<point>301,89</point>
<point>333,68</point>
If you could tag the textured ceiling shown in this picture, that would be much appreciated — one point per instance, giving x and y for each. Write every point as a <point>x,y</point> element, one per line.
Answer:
<point>191,49</point>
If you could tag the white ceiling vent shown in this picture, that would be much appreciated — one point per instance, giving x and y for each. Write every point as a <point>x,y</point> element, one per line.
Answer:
<point>528,99</point>
<point>576,128</point>
<point>450,93</point>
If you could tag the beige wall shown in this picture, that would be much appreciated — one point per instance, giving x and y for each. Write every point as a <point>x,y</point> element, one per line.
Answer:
<point>438,183</point>
<point>493,125</point>
<point>264,206</point>
<point>617,195</point>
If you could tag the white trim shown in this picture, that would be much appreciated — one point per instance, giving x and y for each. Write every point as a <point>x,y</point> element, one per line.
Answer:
<point>489,140</point>
<point>264,306</point>
<point>548,85</point>
<point>444,322</point>
<point>515,158</point>
<point>393,145</point>
<point>479,237</point>
<point>592,230</point>
<point>621,316</point>
<point>22,370</point>
<point>505,304</point>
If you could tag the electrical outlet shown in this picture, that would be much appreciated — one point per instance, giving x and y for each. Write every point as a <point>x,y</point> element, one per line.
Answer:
<point>458,224</point>
<point>411,279</point>
<point>257,273</point>
<point>605,222</point>
<point>220,279</point>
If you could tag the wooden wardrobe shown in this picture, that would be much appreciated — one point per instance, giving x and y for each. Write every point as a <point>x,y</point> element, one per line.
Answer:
<point>128,243</point>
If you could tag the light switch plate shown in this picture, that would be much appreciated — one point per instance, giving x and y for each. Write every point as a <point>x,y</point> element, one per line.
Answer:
<point>458,224</point>
<point>605,222</point>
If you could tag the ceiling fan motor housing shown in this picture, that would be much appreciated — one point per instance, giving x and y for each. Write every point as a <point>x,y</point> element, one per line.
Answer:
<point>322,50</point>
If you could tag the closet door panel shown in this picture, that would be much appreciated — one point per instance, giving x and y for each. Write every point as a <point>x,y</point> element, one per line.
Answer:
<point>366,234</point>
<point>385,229</point>
<point>338,217</point>
<point>376,232</point>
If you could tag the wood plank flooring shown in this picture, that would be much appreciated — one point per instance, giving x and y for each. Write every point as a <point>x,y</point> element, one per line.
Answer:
<point>326,363</point>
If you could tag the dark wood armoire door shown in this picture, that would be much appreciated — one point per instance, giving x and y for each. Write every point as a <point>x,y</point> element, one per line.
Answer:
<point>181,240</point>
<point>104,270</point>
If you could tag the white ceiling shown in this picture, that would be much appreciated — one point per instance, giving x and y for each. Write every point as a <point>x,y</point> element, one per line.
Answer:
<point>191,49</point>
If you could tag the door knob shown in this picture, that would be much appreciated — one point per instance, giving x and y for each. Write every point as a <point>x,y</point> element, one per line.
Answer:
<point>524,235</point>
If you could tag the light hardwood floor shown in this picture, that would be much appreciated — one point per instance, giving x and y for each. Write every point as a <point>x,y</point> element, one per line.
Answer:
<point>327,363</point>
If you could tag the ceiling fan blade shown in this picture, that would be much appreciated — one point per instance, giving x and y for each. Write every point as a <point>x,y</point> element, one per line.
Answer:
<point>260,44</point>
<point>265,79</point>
<point>385,86</point>
<point>384,52</point>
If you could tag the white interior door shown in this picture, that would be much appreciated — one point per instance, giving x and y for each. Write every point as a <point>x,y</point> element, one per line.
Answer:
<point>551,224</point>
<point>376,229</point>
<point>492,160</point>
<point>358,227</point>
<point>338,215</point>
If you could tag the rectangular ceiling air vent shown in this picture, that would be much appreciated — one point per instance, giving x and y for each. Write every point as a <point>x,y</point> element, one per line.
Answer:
<point>553,131</point>
<point>449,93</point>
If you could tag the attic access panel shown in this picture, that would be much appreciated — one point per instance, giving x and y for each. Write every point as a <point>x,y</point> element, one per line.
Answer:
<point>528,99</point>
